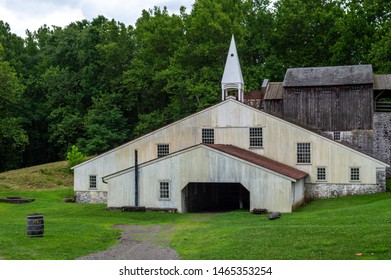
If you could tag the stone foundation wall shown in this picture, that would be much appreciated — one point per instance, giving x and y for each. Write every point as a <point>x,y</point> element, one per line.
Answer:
<point>319,191</point>
<point>91,197</point>
<point>382,138</point>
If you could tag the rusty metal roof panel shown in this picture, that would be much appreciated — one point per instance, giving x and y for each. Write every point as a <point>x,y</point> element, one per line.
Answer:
<point>259,160</point>
<point>328,76</point>
<point>255,94</point>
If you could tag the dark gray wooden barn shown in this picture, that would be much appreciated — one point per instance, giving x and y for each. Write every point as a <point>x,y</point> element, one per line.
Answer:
<point>346,103</point>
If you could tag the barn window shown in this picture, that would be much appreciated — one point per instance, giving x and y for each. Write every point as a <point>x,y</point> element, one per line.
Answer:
<point>256,139</point>
<point>321,174</point>
<point>163,150</point>
<point>92,181</point>
<point>208,136</point>
<point>303,153</point>
<point>326,89</point>
<point>164,190</point>
<point>354,174</point>
<point>337,135</point>
<point>356,87</point>
<point>297,90</point>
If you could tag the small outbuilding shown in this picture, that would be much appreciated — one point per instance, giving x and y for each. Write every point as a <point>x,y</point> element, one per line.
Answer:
<point>209,177</point>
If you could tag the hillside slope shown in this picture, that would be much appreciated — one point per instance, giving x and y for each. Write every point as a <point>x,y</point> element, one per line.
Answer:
<point>46,176</point>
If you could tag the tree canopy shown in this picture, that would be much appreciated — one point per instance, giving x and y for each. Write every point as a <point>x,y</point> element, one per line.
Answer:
<point>97,84</point>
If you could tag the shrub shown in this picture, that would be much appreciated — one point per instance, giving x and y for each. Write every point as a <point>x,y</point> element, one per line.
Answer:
<point>74,157</point>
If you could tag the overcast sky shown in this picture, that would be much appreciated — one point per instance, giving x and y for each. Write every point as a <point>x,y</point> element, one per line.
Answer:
<point>32,14</point>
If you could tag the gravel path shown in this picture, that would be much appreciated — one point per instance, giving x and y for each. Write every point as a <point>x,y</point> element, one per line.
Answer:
<point>139,243</point>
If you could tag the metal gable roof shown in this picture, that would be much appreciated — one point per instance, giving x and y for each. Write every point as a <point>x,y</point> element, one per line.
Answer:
<point>382,82</point>
<point>259,160</point>
<point>274,91</point>
<point>328,76</point>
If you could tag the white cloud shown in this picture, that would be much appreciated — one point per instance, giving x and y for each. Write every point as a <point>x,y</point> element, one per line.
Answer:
<point>32,14</point>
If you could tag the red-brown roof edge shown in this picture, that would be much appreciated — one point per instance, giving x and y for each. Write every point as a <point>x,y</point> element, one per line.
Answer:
<point>262,161</point>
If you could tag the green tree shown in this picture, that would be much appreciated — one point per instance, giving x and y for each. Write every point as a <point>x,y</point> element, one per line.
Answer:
<point>74,157</point>
<point>359,28</point>
<point>195,72</point>
<point>13,138</point>
<point>303,32</point>
<point>105,125</point>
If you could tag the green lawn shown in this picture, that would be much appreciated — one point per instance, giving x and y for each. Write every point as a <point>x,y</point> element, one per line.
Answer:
<point>324,229</point>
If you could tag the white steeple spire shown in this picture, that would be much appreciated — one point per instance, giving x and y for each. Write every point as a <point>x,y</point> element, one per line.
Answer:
<point>232,82</point>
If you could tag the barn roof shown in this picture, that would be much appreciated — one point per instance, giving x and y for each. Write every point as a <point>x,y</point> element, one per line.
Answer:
<point>274,91</point>
<point>328,76</point>
<point>382,82</point>
<point>259,160</point>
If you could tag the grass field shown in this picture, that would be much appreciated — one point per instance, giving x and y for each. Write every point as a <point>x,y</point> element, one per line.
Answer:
<point>342,228</point>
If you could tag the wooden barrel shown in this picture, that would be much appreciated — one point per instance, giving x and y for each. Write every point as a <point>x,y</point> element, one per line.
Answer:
<point>35,225</point>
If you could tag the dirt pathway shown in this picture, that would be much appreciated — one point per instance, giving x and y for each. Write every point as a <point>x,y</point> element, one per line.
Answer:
<point>139,243</point>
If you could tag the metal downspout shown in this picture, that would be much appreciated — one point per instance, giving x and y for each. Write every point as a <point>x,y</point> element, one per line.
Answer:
<point>135,179</point>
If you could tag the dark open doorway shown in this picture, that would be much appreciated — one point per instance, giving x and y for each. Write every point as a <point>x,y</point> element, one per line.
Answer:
<point>200,197</point>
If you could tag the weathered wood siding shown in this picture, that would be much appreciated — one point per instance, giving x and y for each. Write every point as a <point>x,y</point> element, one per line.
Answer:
<point>340,109</point>
<point>274,107</point>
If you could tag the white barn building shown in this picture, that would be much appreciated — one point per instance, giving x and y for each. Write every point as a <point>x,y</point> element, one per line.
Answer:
<point>228,156</point>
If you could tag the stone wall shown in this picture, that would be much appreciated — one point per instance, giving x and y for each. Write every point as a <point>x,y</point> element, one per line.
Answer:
<point>319,191</point>
<point>376,142</point>
<point>91,197</point>
<point>382,138</point>
<point>361,140</point>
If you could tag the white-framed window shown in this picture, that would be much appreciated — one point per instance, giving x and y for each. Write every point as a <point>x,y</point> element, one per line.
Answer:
<point>354,174</point>
<point>256,137</point>
<point>303,153</point>
<point>208,136</point>
<point>163,150</point>
<point>164,190</point>
<point>321,174</point>
<point>92,181</point>
<point>337,135</point>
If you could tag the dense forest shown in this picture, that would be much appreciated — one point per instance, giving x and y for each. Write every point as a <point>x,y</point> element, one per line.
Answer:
<point>97,84</point>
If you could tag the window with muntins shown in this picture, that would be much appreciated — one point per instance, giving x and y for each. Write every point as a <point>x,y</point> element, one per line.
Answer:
<point>163,150</point>
<point>92,181</point>
<point>303,153</point>
<point>321,174</point>
<point>297,90</point>
<point>337,135</point>
<point>356,87</point>
<point>208,136</point>
<point>354,174</point>
<point>164,190</point>
<point>256,137</point>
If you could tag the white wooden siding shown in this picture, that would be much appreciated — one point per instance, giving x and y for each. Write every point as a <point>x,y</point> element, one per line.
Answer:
<point>231,121</point>
<point>201,164</point>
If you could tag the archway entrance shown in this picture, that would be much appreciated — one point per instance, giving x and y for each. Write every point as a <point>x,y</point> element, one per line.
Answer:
<point>200,197</point>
